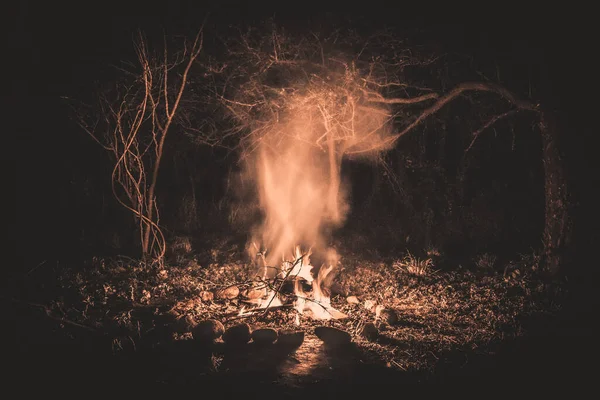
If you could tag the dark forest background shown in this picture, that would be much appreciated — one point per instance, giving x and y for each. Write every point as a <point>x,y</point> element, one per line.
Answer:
<point>490,200</point>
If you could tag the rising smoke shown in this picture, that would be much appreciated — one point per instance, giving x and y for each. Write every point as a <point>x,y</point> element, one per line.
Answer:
<point>300,118</point>
<point>296,168</point>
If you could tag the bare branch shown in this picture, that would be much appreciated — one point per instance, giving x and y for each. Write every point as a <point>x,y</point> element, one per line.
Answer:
<point>138,122</point>
<point>454,93</point>
<point>412,100</point>
<point>491,122</point>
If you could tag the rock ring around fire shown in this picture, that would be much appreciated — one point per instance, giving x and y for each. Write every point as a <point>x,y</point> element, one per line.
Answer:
<point>333,337</point>
<point>290,340</point>
<point>264,336</point>
<point>208,330</point>
<point>237,334</point>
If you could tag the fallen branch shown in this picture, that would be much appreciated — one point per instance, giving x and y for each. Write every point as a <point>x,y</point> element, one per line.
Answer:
<point>260,311</point>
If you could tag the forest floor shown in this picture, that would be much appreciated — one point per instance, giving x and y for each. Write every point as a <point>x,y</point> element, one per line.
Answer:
<point>125,322</point>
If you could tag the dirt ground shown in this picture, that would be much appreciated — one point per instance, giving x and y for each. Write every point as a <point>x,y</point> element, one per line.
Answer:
<point>129,323</point>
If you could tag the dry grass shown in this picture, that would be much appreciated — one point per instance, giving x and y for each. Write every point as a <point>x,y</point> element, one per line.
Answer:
<point>414,265</point>
<point>437,312</point>
<point>485,261</point>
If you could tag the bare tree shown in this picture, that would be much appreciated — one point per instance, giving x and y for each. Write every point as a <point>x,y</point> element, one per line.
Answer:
<point>359,102</point>
<point>132,123</point>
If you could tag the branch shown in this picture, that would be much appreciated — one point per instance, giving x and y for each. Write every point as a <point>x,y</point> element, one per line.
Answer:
<point>412,100</point>
<point>490,123</point>
<point>454,93</point>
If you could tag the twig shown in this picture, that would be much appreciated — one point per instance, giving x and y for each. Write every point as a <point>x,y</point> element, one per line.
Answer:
<point>36,267</point>
<point>490,123</point>
<point>284,279</point>
<point>234,316</point>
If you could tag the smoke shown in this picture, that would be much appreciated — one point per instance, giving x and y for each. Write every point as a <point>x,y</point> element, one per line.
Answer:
<point>295,164</point>
<point>300,105</point>
<point>294,185</point>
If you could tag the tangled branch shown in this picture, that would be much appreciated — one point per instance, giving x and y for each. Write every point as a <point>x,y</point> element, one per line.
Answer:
<point>133,125</point>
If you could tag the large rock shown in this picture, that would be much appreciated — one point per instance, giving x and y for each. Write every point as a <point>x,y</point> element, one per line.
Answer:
<point>370,331</point>
<point>237,334</point>
<point>333,337</point>
<point>264,336</point>
<point>290,339</point>
<point>208,330</point>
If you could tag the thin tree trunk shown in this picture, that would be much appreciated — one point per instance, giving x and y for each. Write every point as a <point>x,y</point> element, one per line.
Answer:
<point>557,225</point>
<point>334,181</point>
<point>151,196</point>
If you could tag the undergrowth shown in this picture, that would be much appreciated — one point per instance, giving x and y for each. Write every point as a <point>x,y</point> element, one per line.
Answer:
<point>433,311</point>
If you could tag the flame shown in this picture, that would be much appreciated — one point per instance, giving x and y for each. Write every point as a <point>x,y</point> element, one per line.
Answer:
<point>293,154</point>
<point>269,298</point>
<point>317,302</point>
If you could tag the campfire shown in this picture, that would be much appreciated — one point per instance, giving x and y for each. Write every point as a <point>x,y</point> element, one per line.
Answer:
<point>297,130</point>
<point>269,292</point>
<point>293,111</point>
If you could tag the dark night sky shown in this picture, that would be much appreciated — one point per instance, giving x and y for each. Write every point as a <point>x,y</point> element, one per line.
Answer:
<point>63,46</point>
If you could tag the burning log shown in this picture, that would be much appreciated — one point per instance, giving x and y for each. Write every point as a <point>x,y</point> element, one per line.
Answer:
<point>317,303</point>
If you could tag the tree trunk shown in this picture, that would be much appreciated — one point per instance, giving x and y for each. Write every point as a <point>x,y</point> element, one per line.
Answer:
<point>557,225</point>
<point>334,181</point>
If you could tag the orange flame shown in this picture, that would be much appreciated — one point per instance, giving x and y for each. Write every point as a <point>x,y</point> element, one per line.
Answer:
<point>317,303</point>
<point>293,154</point>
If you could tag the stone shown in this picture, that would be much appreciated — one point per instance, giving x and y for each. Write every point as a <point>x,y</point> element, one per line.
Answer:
<point>388,315</point>
<point>370,305</point>
<point>370,331</point>
<point>206,295</point>
<point>352,300</point>
<point>228,293</point>
<point>184,324</point>
<point>333,337</point>
<point>208,330</point>
<point>264,336</point>
<point>254,294</point>
<point>337,289</point>
<point>237,334</point>
<point>291,339</point>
